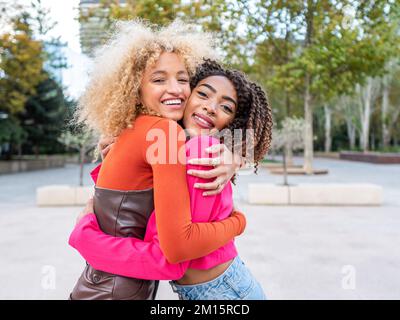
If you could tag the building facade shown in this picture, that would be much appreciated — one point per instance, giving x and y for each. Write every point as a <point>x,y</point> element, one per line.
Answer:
<point>94,28</point>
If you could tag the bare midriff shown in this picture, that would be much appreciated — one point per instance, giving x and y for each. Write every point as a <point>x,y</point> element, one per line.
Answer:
<point>196,276</point>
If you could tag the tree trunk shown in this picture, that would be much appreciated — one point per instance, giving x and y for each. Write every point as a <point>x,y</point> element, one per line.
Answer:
<point>351,133</point>
<point>19,147</point>
<point>308,112</point>
<point>365,127</point>
<point>328,121</point>
<point>308,134</point>
<point>81,162</point>
<point>347,109</point>
<point>384,115</point>
<point>19,150</point>
<point>372,141</point>
<point>390,113</point>
<point>289,157</point>
<point>288,106</point>
<point>36,151</point>
<point>285,180</point>
<point>393,121</point>
<point>365,113</point>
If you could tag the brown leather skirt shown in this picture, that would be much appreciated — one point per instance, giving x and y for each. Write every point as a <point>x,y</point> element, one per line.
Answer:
<point>99,285</point>
<point>120,214</point>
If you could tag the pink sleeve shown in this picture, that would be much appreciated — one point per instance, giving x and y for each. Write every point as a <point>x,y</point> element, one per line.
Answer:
<point>129,257</point>
<point>207,208</point>
<point>201,207</point>
<point>132,257</point>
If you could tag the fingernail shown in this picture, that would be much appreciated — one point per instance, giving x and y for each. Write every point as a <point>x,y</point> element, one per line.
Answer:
<point>189,172</point>
<point>205,194</point>
<point>196,185</point>
<point>190,161</point>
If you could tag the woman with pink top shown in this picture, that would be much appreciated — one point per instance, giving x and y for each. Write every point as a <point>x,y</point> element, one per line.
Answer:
<point>221,99</point>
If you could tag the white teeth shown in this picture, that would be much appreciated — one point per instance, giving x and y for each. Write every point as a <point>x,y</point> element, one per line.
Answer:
<point>203,121</point>
<point>174,101</point>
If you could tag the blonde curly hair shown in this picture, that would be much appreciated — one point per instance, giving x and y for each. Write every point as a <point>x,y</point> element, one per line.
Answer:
<point>111,100</point>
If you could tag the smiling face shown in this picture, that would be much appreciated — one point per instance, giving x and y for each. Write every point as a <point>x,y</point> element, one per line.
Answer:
<point>165,86</point>
<point>211,106</point>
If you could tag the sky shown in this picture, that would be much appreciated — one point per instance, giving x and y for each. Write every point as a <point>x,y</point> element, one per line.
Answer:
<point>65,12</point>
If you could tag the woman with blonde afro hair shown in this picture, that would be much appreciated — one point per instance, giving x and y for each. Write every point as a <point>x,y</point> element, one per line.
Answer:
<point>111,101</point>
<point>139,87</point>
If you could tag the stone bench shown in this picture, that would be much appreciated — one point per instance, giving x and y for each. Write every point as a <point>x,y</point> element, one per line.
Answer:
<point>316,194</point>
<point>63,195</point>
<point>372,157</point>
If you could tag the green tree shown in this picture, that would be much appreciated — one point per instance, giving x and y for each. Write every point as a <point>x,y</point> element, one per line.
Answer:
<point>210,15</point>
<point>161,12</point>
<point>80,140</point>
<point>288,139</point>
<point>43,118</point>
<point>12,135</point>
<point>309,47</point>
<point>390,105</point>
<point>32,101</point>
<point>21,64</point>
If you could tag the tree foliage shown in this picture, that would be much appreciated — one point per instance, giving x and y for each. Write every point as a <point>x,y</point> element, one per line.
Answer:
<point>314,51</point>
<point>44,118</point>
<point>21,64</point>
<point>32,103</point>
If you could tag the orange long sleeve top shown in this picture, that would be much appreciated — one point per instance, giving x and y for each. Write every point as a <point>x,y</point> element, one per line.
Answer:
<point>151,154</point>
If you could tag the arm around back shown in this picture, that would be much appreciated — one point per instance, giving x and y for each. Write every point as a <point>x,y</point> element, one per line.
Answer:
<point>180,239</point>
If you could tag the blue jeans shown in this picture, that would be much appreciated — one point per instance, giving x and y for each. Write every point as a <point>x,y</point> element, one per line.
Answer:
<point>236,283</point>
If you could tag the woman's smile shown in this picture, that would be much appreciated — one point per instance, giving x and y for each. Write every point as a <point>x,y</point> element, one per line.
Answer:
<point>165,86</point>
<point>174,103</point>
<point>212,105</point>
<point>203,121</point>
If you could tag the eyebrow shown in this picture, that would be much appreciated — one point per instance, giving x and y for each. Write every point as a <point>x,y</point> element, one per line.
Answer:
<point>215,91</point>
<point>165,72</point>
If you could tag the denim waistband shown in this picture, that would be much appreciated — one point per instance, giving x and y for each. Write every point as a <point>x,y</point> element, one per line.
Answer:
<point>230,270</point>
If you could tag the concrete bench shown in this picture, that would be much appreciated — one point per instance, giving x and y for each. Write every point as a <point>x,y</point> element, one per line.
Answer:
<point>264,193</point>
<point>63,195</point>
<point>316,194</point>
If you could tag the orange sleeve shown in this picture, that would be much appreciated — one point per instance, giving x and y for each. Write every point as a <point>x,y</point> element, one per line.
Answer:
<point>180,239</point>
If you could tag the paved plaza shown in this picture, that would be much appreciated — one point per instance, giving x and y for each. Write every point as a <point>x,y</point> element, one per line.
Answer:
<point>295,252</point>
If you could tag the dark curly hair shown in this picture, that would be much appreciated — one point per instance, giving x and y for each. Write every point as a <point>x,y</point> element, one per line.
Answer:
<point>253,111</point>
